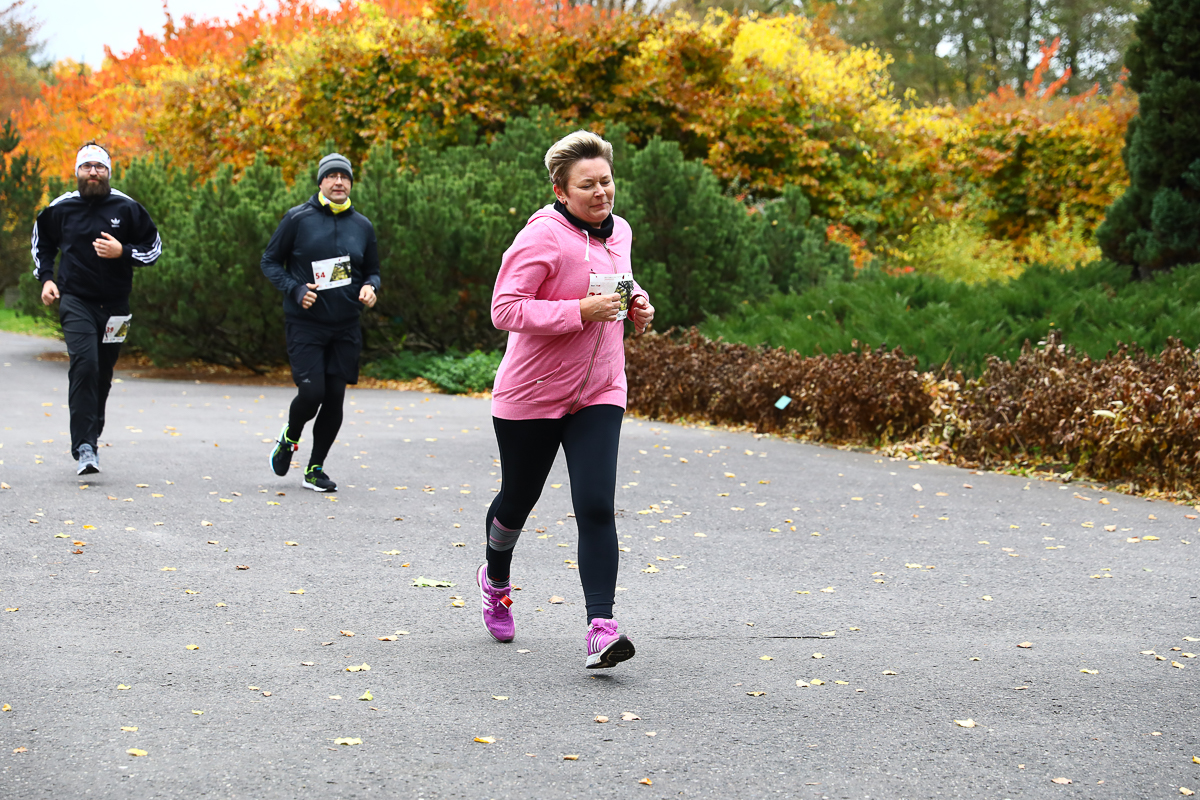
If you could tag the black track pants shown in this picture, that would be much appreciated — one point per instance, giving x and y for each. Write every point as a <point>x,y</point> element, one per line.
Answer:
<point>589,439</point>
<point>322,397</point>
<point>90,375</point>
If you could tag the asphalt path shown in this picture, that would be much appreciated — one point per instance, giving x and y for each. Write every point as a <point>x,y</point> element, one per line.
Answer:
<point>746,558</point>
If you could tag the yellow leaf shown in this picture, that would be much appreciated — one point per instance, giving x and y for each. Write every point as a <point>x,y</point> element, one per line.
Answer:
<point>190,591</point>
<point>629,716</point>
<point>1176,665</point>
<point>571,758</point>
<point>1186,792</point>
<point>164,569</point>
<point>360,668</point>
<point>651,568</point>
<point>890,672</point>
<point>1149,538</point>
<point>645,781</point>
<point>121,687</point>
<point>756,694</point>
<point>829,633</point>
<point>221,605</point>
<point>133,751</point>
<point>486,739</point>
<point>193,647</point>
<point>387,638</point>
<point>291,544</point>
<point>346,633</point>
<point>601,718</point>
<point>842,683</point>
<point>129,728</point>
<point>458,603</point>
<point>1025,645</point>
<point>828,590</point>
<point>1086,525</point>
<point>1090,671</point>
<point>367,695</point>
<point>818,655</point>
<point>6,707</point>
<point>987,597</point>
<point>1061,781</point>
<point>965,723</point>
<point>347,740</point>
<point>765,658</point>
<point>817,682</point>
<point>499,697</point>
<point>197,713</point>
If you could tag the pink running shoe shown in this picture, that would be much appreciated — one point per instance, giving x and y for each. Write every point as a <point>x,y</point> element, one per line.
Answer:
<point>496,617</point>
<point>605,647</point>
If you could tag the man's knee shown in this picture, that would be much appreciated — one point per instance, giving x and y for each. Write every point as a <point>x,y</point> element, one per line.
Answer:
<point>311,392</point>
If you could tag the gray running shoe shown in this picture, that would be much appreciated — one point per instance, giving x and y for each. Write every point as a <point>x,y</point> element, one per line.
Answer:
<point>89,462</point>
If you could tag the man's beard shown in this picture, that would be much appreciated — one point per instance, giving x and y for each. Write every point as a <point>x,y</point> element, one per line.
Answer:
<point>97,189</point>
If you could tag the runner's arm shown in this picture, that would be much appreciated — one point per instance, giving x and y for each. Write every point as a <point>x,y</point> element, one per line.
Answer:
<point>275,257</point>
<point>147,245</point>
<point>44,245</point>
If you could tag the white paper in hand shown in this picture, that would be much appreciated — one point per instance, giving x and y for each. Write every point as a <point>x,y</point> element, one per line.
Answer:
<point>620,283</point>
<point>116,329</point>
<point>331,273</point>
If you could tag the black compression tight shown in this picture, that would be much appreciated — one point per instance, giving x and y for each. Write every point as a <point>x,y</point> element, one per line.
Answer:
<point>589,439</point>
<point>327,396</point>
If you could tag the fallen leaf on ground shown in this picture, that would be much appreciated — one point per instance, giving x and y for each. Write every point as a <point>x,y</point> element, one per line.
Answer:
<point>756,694</point>
<point>555,600</point>
<point>818,655</point>
<point>629,716</point>
<point>121,687</point>
<point>499,697</point>
<point>133,751</point>
<point>645,781</point>
<point>129,728</point>
<point>1090,671</point>
<point>571,758</point>
<point>1063,781</point>
<point>1025,645</point>
<point>197,713</point>
<point>765,658</point>
<point>386,638</point>
<point>360,668</point>
<point>817,682</point>
<point>601,718</point>
<point>432,582</point>
<point>193,647</point>
<point>828,590</point>
<point>347,740</point>
<point>307,663</point>
<point>1186,792</point>
<point>965,723</point>
<point>890,672</point>
<point>486,739</point>
<point>346,633</point>
<point>367,695</point>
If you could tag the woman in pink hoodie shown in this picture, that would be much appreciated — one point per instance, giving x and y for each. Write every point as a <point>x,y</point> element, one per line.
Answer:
<point>562,381</point>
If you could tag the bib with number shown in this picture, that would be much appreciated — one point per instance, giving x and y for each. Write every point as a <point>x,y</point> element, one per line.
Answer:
<point>331,273</point>
<point>621,283</point>
<point>116,329</point>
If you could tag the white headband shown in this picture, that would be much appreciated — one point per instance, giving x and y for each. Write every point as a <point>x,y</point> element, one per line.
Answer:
<point>89,153</point>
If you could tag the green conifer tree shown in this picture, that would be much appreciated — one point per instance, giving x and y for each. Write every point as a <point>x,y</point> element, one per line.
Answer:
<point>1155,225</point>
<point>21,188</point>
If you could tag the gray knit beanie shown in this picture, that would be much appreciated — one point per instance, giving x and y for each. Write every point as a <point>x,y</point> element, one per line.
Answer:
<point>334,162</point>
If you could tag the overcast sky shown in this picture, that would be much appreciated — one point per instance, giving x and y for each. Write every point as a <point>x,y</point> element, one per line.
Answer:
<point>79,30</point>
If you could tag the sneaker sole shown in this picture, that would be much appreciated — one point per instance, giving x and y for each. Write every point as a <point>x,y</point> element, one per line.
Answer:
<point>620,650</point>
<point>271,460</point>
<point>308,485</point>
<point>478,582</point>
<point>90,469</point>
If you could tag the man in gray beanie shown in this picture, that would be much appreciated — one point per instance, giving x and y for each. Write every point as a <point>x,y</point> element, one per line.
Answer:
<point>323,258</point>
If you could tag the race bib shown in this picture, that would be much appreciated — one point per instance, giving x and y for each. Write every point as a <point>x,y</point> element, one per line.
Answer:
<point>331,273</point>
<point>621,283</point>
<point>116,329</point>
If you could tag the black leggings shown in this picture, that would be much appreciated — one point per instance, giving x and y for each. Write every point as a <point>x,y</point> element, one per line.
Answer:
<point>589,438</point>
<point>327,394</point>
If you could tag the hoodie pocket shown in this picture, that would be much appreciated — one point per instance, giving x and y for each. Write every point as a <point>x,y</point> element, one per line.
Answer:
<point>553,387</point>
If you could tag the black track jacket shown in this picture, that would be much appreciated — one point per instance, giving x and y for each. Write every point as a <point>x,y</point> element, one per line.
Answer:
<point>312,232</point>
<point>71,223</point>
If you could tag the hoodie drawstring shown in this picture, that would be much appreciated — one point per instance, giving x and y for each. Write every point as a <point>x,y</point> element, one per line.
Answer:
<point>587,251</point>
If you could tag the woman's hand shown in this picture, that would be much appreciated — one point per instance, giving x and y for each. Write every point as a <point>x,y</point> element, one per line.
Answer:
<point>600,308</point>
<point>643,315</point>
<point>366,295</point>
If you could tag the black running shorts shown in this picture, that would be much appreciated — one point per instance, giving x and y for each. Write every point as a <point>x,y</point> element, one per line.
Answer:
<point>317,350</point>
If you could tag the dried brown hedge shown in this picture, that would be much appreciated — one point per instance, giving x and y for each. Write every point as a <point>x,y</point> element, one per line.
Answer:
<point>1129,418</point>
<point>866,395</point>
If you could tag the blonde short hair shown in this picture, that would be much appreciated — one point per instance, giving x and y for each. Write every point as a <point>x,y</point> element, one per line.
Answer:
<point>574,147</point>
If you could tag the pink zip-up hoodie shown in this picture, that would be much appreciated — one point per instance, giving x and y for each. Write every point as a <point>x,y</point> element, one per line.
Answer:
<point>556,363</point>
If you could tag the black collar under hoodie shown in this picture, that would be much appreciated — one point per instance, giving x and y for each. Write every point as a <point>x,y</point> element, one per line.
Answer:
<point>603,232</point>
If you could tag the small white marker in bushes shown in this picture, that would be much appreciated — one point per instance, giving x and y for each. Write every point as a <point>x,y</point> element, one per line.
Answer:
<point>782,402</point>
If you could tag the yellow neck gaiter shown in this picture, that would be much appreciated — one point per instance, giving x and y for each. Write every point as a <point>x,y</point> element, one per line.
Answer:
<point>337,208</point>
